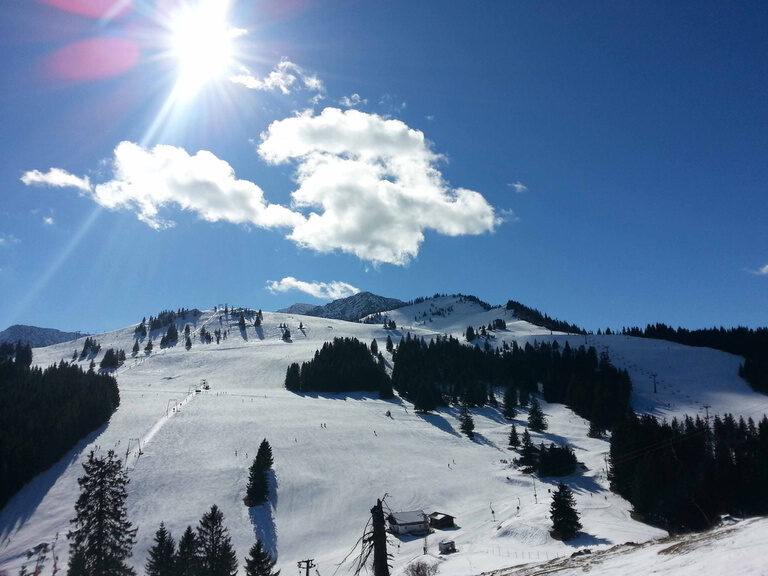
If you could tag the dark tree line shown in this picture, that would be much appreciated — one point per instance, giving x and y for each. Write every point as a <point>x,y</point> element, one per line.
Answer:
<point>19,353</point>
<point>444,371</point>
<point>535,317</point>
<point>43,413</point>
<point>752,344</point>
<point>344,365</point>
<point>684,474</point>
<point>112,359</point>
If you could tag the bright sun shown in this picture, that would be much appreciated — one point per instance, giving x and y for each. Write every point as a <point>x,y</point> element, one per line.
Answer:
<point>201,43</point>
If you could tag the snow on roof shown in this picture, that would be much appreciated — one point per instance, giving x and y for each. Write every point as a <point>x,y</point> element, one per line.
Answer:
<point>408,517</point>
<point>440,515</point>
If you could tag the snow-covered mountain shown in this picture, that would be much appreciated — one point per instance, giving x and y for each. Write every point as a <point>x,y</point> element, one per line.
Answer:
<point>334,454</point>
<point>37,337</point>
<point>351,308</point>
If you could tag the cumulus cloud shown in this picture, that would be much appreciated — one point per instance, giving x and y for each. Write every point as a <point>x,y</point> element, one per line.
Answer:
<point>353,101</point>
<point>518,187</point>
<point>371,185</point>
<point>323,290</point>
<point>56,177</point>
<point>286,77</point>
<point>48,220</point>
<point>147,180</point>
<point>367,185</point>
<point>761,271</point>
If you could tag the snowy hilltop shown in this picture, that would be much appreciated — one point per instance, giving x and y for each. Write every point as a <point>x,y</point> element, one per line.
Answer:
<point>37,337</point>
<point>351,308</point>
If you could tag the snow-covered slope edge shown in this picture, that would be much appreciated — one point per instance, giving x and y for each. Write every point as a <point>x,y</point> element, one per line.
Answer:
<point>735,547</point>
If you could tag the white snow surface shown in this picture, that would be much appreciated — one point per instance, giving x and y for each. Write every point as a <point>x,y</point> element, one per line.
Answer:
<point>335,454</point>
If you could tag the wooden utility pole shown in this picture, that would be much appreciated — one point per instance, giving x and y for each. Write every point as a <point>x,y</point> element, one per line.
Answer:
<point>380,566</point>
<point>307,564</point>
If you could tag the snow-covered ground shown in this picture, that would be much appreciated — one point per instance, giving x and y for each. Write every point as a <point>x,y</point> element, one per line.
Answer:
<point>334,455</point>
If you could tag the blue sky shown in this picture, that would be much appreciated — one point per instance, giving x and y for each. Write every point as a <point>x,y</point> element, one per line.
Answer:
<point>605,162</point>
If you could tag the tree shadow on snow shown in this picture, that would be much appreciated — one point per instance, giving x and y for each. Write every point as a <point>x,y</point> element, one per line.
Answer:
<point>480,439</point>
<point>243,334</point>
<point>23,504</point>
<point>260,332</point>
<point>263,518</point>
<point>439,422</point>
<point>584,539</point>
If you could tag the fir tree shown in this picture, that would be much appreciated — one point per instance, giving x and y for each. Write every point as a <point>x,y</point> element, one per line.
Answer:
<point>389,345</point>
<point>264,455</point>
<point>241,322</point>
<point>148,347</point>
<point>510,403</point>
<point>188,343</point>
<point>470,333</point>
<point>514,439</point>
<point>259,562</point>
<point>257,490</point>
<point>565,518</point>
<point>102,537</point>
<point>215,554</point>
<point>160,561</point>
<point>374,347</point>
<point>536,420</point>
<point>136,347</point>
<point>527,451</point>
<point>185,561</point>
<point>467,422</point>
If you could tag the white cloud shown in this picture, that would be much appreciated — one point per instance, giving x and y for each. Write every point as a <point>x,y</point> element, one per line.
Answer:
<point>48,220</point>
<point>146,180</point>
<point>323,290</point>
<point>371,185</point>
<point>56,177</point>
<point>367,186</point>
<point>761,271</point>
<point>286,77</point>
<point>518,187</point>
<point>353,101</point>
<point>8,240</point>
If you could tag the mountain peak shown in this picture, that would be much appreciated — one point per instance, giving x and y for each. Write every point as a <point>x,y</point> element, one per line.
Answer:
<point>352,308</point>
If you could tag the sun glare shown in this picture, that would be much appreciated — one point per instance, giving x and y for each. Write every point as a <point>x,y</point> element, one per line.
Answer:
<point>202,44</point>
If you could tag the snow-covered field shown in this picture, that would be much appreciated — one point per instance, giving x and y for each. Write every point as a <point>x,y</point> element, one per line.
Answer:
<point>196,447</point>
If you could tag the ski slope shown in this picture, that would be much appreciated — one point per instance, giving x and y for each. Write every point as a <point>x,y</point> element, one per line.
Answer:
<point>334,455</point>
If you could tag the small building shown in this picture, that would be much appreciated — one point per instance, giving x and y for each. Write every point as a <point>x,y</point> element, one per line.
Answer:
<point>408,522</point>
<point>442,520</point>
<point>447,546</point>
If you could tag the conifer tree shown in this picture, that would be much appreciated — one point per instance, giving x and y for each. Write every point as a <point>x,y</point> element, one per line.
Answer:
<point>536,419</point>
<point>259,562</point>
<point>470,333</point>
<point>148,347</point>
<point>241,322</point>
<point>102,537</point>
<point>160,561</point>
<point>514,439</point>
<point>257,490</point>
<point>374,347</point>
<point>565,518</point>
<point>185,561</point>
<point>215,554</point>
<point>527,451</point>
<point>467,422</point>
<point>389,346</point>
<point>510,403</point>
<point>136,347</point>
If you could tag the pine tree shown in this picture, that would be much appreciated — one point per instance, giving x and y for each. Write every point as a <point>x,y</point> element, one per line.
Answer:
<point>136,347</point>
<point>185,561</point>
<point>374,347</point>
<point>102,537</point>
<point>536,420</point>
<point>470,333</point>
<point>264,455</point>
<point>160,561</point>
<point>148,347</point>
<point>389,346</point>
<point>514,440</point>
<point>259,562</point>
<point>215,554</point>
<point>241,322</point>
<point>527,451</point>
<point>257,490</point>
<point>510,403</point>
<point>467,422</point>
<point>188,343</point>
<point>565,518</point>
<point>293,378</point>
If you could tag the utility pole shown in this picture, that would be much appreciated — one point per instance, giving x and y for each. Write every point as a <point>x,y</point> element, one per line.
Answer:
<point>535,496</point>
<point>380,566</point>
<point>306,564</point>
